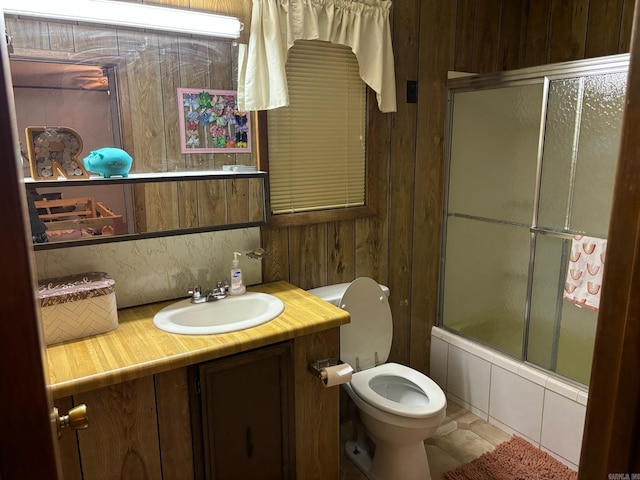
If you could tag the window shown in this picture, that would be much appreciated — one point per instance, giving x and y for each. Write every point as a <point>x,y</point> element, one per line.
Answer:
<point>317,144</point>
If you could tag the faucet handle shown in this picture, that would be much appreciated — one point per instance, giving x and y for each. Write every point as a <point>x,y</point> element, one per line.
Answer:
<point>218,293</point>
<point>195,292</point>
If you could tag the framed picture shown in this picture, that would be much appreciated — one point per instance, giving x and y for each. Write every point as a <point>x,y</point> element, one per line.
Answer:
<point>211,123</point>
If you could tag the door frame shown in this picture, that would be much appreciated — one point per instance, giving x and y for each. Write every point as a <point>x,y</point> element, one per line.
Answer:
<point>612,426</point>
<point>28,441</point>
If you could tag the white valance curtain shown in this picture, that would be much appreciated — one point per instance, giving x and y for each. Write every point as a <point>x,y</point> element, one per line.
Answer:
<point>362,25</point>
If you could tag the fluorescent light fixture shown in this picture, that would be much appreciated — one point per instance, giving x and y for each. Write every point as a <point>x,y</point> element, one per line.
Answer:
<point>124,14</point>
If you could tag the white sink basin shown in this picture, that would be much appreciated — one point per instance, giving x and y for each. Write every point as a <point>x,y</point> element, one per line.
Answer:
<point>222,316</point>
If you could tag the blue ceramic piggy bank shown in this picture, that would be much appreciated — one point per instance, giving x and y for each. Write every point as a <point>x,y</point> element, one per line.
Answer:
<point>108,162</point>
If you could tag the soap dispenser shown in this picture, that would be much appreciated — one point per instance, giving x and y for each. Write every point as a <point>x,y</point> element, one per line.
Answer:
<point>237,285</point>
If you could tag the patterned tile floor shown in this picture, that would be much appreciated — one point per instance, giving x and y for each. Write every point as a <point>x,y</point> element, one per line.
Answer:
<point>462,437</point>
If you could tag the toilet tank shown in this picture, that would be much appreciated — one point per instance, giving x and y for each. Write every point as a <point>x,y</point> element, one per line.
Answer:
<point>333,293</point>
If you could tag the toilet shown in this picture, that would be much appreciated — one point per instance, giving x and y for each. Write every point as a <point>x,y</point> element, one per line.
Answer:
<point>398,406</point>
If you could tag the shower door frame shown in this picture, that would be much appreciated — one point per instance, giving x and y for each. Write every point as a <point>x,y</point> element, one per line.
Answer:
<point>544,74</point>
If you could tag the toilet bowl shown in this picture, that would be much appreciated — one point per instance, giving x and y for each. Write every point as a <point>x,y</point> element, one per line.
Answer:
<point>398,406</point>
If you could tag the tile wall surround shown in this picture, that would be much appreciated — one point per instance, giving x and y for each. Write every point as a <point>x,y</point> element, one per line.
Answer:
<point>511,395</point>
<point>156,269</point>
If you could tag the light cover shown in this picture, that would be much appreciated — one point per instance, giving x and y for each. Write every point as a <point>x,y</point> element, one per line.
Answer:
<point>133,15</point>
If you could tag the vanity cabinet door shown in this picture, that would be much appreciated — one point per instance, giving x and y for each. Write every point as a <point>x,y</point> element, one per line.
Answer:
<point>122,438</point>
<point>245,422</point>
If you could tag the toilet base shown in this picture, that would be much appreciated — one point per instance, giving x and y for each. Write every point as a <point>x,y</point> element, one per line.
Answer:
<point>360,457</point>
<point>408,462</point>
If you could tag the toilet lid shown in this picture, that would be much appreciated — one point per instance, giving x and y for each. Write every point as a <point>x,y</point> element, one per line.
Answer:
<point>371,328</point>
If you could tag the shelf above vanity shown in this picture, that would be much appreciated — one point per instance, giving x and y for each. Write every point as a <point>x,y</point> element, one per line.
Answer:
<point>152,177</point>
<point>147,205</point>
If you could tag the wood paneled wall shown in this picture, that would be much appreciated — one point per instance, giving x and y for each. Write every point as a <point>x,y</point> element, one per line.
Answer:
<point>400,246</point>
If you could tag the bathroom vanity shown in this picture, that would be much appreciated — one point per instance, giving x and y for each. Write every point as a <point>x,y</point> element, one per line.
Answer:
<point>171,406</point>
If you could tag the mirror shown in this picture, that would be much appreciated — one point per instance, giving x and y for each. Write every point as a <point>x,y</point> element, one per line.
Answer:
<point>118,87</point>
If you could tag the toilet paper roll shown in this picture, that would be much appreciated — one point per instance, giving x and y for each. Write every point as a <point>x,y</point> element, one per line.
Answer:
<point>336,374</point>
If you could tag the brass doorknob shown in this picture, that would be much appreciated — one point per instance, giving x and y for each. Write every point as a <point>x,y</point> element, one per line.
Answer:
<point>76,419</point>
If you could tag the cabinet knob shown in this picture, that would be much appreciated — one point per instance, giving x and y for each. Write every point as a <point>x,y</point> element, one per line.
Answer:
<point>76,419</point>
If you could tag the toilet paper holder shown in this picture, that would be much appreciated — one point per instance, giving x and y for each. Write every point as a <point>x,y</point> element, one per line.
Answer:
<point>318,367</point>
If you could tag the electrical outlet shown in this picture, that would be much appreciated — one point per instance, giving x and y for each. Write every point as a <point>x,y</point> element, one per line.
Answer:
<point>412,91</point>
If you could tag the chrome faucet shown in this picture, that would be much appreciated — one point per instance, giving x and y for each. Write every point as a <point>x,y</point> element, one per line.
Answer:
<point>218,293</point>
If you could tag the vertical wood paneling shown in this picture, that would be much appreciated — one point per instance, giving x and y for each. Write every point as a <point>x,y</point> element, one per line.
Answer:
<point>341,252</point>
<point>486,34</point>
<point>276,265</point>
<point>188,205</point>
<point>406,27</point>
<point>195,73</point>
<point>161,206</point>
<point>125,414</point>
<point>535,36</point>
<point>174,424</point>
<point>510,26</point>
<point>124,105</point>
<point>372,233</point>
<point>603,29</point>
<point>194,56</point>
<point>308,264</point>
<point>98,41</point>
<point>139,200</point>
<point>317,440</point>
<point>170,67</point>
<point>220,74</point>
<point>61,37</point>
<point>28,33</point>
<point>256,200</point>
<point>235,191</point>
<point>212,202</point>
<point>144,83</point>
<point>437,29</point>
<point>624,42</point>
<point>221,159</point>
<point>237,200</point>
<point>465,23</point>
<point>568,30</point>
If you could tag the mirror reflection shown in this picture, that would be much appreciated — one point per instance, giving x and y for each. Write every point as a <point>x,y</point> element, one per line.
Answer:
<point>118,88</point>
<point>64,213</point>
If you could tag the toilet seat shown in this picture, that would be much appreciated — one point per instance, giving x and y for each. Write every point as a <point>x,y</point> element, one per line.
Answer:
<point>408,393</point>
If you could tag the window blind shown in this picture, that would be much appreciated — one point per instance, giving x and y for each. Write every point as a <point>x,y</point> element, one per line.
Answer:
<point>317,143</point>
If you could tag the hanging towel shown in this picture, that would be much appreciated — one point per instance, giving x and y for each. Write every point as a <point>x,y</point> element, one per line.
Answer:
<point>584,275</point>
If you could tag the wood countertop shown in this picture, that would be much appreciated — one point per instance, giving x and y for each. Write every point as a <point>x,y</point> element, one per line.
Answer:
<point>137,348</point>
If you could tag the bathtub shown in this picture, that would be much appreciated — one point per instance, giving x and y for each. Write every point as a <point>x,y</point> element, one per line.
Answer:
<point>520,399</point>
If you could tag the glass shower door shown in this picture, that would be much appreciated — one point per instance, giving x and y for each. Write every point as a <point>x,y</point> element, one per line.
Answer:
<point>495,135</point>
<point>532,159</point>
<point>583,126</point>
